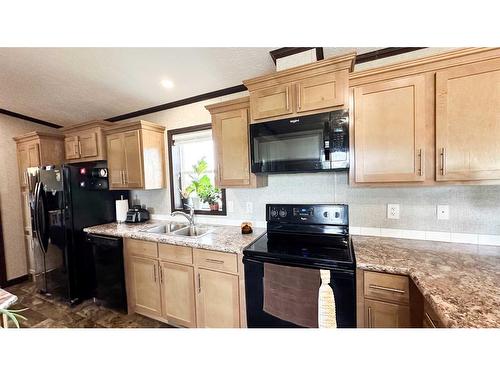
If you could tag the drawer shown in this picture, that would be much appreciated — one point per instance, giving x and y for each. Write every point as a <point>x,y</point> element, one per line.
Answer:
<point>176,254</point>
<point>216,260</point>
<point>387,287</point>
<point>141,248</point>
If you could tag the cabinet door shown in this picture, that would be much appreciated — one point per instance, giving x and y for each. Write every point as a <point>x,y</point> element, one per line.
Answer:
<point>144,284</point>
<point>133,159</point>
<point>327,90</point>
<point>389,130</point>
<point>386,315</point>
<point>71,147</point>
<point>116,160</point>
<point>177,294</point>
<point>218,300</point>
<point>34,155</point>
<point>468,122</point>
<point>23,163</point>
<point>88,144</point>
<point>271,102</point>
<point>230,130</point>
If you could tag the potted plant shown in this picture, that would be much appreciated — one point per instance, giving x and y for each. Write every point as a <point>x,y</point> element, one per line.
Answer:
<point>185,195</point>
<point>199,180</point>
<point>12,315</point>
<point>211,195</point>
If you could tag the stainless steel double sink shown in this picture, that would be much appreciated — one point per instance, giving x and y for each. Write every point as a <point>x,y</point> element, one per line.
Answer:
<point>178,229</point>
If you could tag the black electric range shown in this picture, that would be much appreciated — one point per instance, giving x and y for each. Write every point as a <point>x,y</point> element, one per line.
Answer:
<point>301,240</point>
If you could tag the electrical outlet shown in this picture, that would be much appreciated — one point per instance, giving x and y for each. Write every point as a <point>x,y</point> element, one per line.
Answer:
<point>443,212</point>
<point>249,207</point>
<point>393,211</point>
<point>230,206</point>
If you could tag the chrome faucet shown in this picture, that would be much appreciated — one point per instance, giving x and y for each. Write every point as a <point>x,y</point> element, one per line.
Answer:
<point>189,217</point>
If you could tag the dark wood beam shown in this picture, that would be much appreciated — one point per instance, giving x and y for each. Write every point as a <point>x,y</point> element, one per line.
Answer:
<point>384,52</point>
<point>28,118</point>
<point>178,103</point>
<point>288,51</point>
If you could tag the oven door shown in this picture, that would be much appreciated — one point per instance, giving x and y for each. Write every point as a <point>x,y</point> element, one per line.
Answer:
<point>291,145</point>
<point>283,296</point>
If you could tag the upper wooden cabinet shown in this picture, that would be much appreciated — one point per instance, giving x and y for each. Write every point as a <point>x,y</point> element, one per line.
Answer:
<point>305,89</point>
<point>85,142</point>
<point>468,122</point>
<point>231,145</point>
<point>136,155</point>
<point>36,149</point>
<point>389,130</point>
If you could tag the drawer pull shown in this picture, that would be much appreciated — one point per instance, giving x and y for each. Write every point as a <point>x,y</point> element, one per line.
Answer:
<point>385,289</point>
<point>429,319</point>
<point>370,317</point>
<point>216,261</point>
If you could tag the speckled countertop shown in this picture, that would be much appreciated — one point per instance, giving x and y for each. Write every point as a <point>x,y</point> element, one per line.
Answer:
<point>6,299</point>
<point>223,237</point>
<point>460,281</point>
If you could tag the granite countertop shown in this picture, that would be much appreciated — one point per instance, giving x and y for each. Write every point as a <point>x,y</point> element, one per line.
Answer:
<point>226,238</point>
<point>461,282</point>
<point>6,299</point>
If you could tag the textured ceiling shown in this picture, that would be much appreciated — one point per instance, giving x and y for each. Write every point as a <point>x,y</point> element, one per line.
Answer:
<point>71,85</point>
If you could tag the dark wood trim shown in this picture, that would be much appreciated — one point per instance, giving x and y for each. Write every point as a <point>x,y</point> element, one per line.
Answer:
<point>28,118</point>
<point>170,136</point>
<point>384,52</point>
<point>17,280</point>
<point>288,51</point>
<point>3,266</point>
<point>179,103</point>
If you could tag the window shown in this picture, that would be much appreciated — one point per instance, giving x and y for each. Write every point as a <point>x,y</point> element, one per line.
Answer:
<point>192,171</point>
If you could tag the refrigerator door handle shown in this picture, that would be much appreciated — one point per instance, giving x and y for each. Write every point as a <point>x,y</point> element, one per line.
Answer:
<point>41,218</point>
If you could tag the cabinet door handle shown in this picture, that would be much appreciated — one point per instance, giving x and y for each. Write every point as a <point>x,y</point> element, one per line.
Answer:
<point>429,319</point>
<point>154,272</point>
<point>75,149</point>
<point>199,283</point>
<point>161,275</point>
<point>121,177</point>
<point>125,177</point>
<point>386,289</point>
<point>217,261</point>
<point>299,104</point>
<point>443,161</point>
<point>79,148</point>
<point>287,98</point>
<point>421,157</point>
<point>370,317</point>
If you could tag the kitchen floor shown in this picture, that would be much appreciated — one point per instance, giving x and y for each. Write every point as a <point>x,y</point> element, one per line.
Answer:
<point>47,312</point>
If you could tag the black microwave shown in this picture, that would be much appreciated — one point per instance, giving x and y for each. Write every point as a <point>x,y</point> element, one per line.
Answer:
<point>311,143</point>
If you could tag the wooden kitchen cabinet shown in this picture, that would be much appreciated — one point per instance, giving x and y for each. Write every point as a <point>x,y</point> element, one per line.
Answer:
<point>136,155</point>
<point>389,130</point>
<point>178,294</point>
<point>271,102</point>
<point>231,145</point>
<point>144,285</point>
<point>183,286</point>
<point>380,314</point>
<point>468,122</point>
<point>312,88</point>
<point>85,142</point>
<point>218,300</point>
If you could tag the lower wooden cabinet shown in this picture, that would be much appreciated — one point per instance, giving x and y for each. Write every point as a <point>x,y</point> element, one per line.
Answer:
<point>144,286</point>
<point>218,300</point>
<point>177,294</point>
<point>380,314</point>
<point>165,283</point>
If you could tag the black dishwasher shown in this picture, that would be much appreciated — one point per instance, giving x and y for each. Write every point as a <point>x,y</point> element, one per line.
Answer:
<point>109,271</point>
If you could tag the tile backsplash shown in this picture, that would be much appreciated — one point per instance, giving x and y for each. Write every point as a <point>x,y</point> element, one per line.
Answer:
<point>473,209</point>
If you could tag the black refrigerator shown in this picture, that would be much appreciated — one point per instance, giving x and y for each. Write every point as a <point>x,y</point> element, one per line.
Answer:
<point>65,199</point>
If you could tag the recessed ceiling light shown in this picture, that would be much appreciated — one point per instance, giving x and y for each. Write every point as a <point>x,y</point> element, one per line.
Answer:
<point>168,84</point>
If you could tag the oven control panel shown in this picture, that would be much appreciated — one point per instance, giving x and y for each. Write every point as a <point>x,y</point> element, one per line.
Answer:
<point>308,214</point>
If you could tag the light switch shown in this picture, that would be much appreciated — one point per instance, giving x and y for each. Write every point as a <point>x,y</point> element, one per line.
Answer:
<point>393,211</point>
<point>443,212</point>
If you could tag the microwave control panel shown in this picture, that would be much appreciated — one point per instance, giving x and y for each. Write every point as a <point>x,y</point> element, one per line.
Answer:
<point>339,135</point>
